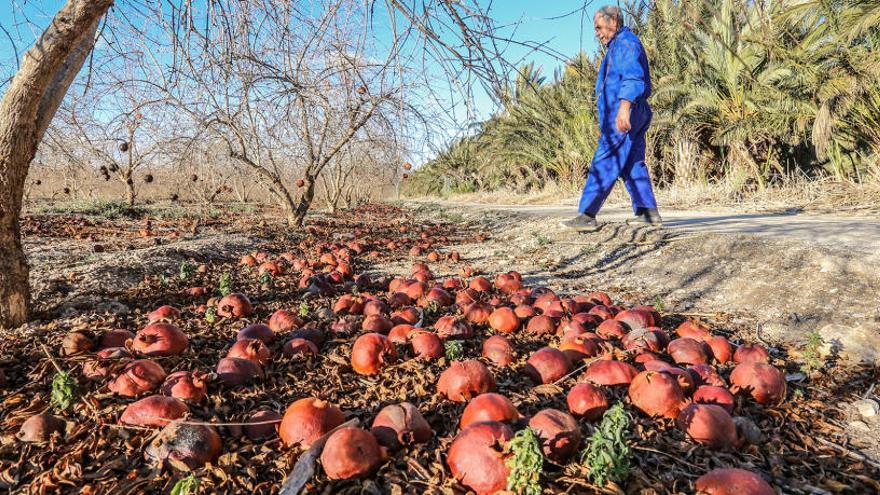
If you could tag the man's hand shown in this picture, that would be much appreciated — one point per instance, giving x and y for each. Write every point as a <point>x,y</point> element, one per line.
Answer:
<point>622,121</point>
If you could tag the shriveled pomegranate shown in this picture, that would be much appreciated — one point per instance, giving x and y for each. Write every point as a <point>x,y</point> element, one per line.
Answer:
<point>588,401</point>
<point>688,351</point>
<point>400,425</point>
<point>184,446</point>
<point>187,386</point>
<point>751,353</point>
<point>489,407</point>
<point>656,394</point>
<point>560,433</point>
<point>77,343</point>
<point>764,382</point>
<point>709,425</point>
<point>97,369</point>
<point>163,313</point>
<point>235,305</point>
<point>233,371</point>
<point>299,347</point>
<point>465,379</point>
<point>476,457</point>
<point>284,321</point>
<point>439,297</point>
<point>605,313</point>
<point>155,410</point>
<point>498,350</point>
<point>732,481</point>
<point>351,453</point>
<point>721,348</point>
<point>427,345</point>
<point>547,365</point>
<point>308,419</point>
<point>114,338</point>
<point>138,377</point>
<point>608,372</point>
<point>599,298</point>
<point>160,339</point>
<point>40,428</point>
<point>541,325</point>
<point>372,352</point>
<point>503,320</point>
<point>719,396</point>
<point>405,316</point>
<point>257,331</point>
<point>524,311</point>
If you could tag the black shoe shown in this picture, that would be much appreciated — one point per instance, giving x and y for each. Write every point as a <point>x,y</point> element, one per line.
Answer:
<point>646,216</point>
<point>581,223</point>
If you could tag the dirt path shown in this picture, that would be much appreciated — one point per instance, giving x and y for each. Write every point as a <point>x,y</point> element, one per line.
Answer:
<point>857,233</point>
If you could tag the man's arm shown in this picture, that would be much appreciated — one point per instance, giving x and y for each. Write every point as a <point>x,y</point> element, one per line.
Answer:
<point>632,84</point>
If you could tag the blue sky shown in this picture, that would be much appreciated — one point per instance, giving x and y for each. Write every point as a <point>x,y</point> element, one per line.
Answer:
<point>563,26</point>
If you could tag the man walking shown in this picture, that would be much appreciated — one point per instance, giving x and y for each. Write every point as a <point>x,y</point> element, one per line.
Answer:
<point>622,89</point>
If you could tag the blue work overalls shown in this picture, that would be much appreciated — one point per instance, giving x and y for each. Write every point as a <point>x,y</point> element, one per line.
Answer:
<point>623,75</point>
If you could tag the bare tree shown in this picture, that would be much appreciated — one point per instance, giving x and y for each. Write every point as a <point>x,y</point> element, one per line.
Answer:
<point>30,102</point>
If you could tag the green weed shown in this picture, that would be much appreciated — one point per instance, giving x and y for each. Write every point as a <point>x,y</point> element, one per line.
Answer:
<point>607,455</point>
<point>63,391</point>
<point>526,463</point>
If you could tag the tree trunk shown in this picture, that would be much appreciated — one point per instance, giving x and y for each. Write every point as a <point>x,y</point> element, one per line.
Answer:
<point>305,202</point>
<point>129,190</point>
<point>30,102</point>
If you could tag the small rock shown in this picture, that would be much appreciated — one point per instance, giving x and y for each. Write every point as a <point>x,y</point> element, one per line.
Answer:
<point>859,425</point>
<point>867,408</point>
<point>795,377</point>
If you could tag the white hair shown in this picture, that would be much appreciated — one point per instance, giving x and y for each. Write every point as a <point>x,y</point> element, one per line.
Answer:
<point>611,12</point>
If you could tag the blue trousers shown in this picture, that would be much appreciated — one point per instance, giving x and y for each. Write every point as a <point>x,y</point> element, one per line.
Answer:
<point>623,156</point>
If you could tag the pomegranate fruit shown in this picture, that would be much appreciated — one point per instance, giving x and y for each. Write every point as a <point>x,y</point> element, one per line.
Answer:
<point>299,347</point>
<point>40,428</point>
<point>115,338</point>
<point>559,433</point>
<point>611,329</point>
<point>163,313</point>
<point>685,350</point>
<point>371,352</point>
<point>503,320</point>
<point>235,305</point>
<point>400,425</point>
<point>541,325</point>
<point>656,394</point>
<point>608,372</point>
<point>97,369</point>
<point>284,321</point>
<point>693,330</point>
<point>427,345</point>
<point>160,339</point>
<point>547,365</point>
<point>721,348</point>
<point>498,350</point>
<point>465,379</point>
<point>187,386</point>
<point>252,349</point>
<point>732,481</point>
<point>489,407</point>
<point>261,429</point>
<point>476,457</point>
<point>751,353</point>
<point>709,425</point>
<point>138,377</point>
<point>234,371</point>
<point>184,446</point>
<point>308,419</point>
<point>719,396</point>
<point>351,453</point>
<point>588,401</point>
<point>765,383</point>
<point>155,410</point>
<point>256,331</point>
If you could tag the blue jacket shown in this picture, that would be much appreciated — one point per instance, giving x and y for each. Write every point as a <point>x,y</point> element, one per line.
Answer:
<point>623,75</point>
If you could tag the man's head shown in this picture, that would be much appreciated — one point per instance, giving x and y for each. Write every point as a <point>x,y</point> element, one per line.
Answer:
<point>607,21</point>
